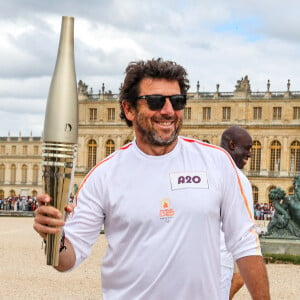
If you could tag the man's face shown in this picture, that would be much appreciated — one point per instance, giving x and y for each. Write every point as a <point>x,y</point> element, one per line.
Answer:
<point>242,151</point>
<point>156,131</point>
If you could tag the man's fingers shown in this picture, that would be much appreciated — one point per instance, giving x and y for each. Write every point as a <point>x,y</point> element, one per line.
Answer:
<point>47,225</point>
<point>48,220</point>
<point>43,199</point>
<point>70,207</point>
<point>49,211</point>
<point>44,230</point>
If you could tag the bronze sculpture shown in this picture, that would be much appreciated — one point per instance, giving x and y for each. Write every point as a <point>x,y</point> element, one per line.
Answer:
<point>286,220</point>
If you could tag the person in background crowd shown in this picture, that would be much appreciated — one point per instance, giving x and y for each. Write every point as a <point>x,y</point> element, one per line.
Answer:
<point>161,199</point>
<point>238,143</point>
<point>18,203</point>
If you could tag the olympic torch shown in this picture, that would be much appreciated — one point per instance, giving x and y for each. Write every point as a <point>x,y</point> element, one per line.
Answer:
<point>60,132</point>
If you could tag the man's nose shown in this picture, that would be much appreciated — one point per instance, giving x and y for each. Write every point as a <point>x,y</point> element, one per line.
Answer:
<point>167,108</point>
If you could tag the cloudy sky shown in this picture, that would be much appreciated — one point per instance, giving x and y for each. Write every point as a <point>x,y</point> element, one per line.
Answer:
<point>217,41</point>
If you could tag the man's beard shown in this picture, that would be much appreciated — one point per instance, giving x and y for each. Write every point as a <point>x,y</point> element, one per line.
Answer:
<point>151,136</point>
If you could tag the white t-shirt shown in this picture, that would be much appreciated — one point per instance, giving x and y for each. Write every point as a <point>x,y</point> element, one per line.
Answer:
<point>162,218</point>
<point>226,256</point>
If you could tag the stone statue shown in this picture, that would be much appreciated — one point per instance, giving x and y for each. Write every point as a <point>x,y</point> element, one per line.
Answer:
<point>268,85</point>
<point>286,220</point>
<point>243,85</point>
<point>82,87</point>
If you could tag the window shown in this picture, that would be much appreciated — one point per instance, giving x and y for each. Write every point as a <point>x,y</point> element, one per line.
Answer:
<point>2,149</point>
<point>35,174</point>
<point>2,173</point>
<point>255,156</point>
<point>206,113</point>
<point>291,191</point>
<point>13,149</point>
<point>276,113</point>
<point>13,170</point>
<point>93,114</point>
<point>257,113</point>
<point>187,114</point>
<point>92,147</point>
<point>127,142</point>
<point>35,150</point>
<point>25,150</point>
<point>255,194</point>
<point>109,147</point>
<point>1,194</point>
<point>226,113</point>
<point>24,174</point>
<point>272,187</point>
<point>295,158</point>
<point>12,193</point>
<point>111,112</point>
<point>275,156</point>
<point>296,113</point>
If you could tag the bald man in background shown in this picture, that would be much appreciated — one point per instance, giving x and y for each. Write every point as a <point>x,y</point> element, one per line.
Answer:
<point>238,143</point>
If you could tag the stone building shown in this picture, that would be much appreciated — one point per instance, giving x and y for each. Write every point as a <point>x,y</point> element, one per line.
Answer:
<point>272,119</point>
<point>20,166</point>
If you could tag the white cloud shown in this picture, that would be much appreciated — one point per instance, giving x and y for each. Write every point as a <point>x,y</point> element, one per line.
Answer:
<point>217,41</point>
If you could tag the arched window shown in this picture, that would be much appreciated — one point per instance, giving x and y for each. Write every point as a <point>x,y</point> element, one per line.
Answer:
<point>275,156</point>
<point>295,158</point>
<point>255,156</point>
<point>92,152</point>
<point>127,142</point>
<point>35,174</point>
<point>13,171</point>
<point>255,194</point>
<point>291,191</point>
<point>206,141</point>
<point>2,173</point>
<point>1,194</point>
<point>12,193</point>
<point>271,188</point>
<point>109,147</point>
<point>34,193</point>
<point>24,174</point>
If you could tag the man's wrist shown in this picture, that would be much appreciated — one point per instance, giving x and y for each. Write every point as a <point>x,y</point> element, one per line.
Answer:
<point>62,243</point>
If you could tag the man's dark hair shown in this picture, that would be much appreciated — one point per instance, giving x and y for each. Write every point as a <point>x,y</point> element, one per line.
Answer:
<point>154,68</point>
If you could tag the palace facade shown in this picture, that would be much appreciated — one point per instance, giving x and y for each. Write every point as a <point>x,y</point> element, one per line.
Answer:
<point>20,166</point>
<point>271,118</point>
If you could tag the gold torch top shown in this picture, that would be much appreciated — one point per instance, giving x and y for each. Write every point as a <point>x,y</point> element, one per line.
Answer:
<point>61,116</point>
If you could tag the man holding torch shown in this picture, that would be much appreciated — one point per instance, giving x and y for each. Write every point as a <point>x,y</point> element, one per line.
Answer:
<point>161,199</point>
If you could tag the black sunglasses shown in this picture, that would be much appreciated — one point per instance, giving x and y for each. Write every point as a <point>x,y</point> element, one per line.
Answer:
<point>157,102</point>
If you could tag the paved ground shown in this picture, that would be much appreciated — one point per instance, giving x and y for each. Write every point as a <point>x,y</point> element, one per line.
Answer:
<point>25,275</point>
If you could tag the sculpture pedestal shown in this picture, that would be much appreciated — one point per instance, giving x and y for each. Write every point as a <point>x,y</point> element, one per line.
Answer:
<point>280,246</point>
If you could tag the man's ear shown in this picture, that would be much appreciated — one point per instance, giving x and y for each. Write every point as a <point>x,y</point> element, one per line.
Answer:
<point>128,110</point>
<point>231,145</point>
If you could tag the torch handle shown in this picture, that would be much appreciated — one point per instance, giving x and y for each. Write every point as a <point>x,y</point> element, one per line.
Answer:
<point>58,167</point>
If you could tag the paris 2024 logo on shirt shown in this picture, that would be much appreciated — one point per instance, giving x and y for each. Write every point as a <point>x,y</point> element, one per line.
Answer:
<point>166,211</point>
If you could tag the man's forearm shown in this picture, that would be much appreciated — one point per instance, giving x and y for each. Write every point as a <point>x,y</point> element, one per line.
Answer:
<point>254,273</point>
<point>66,257</point>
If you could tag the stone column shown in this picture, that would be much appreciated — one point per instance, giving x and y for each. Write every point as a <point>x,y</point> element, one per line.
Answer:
<point>101,148</point>
<point>284,157</point>
<point>265,156</point>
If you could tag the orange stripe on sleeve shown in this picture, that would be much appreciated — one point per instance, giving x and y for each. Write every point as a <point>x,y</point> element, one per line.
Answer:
<point>233,165</point>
